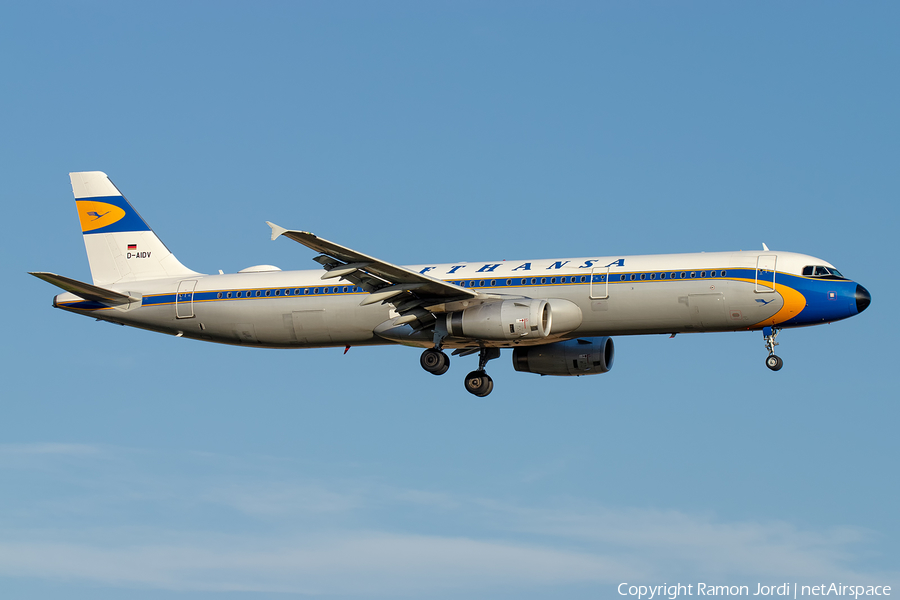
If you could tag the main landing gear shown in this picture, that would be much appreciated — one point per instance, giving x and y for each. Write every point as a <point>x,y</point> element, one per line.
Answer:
<point>773,362</point>
<point>477,382</point>
<point>434,361</point>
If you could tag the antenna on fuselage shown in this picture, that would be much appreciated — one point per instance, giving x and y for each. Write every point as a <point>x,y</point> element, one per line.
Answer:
<point>765,248</point>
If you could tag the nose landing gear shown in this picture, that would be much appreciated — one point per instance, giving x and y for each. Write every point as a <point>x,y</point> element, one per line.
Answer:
<point>773,362</point>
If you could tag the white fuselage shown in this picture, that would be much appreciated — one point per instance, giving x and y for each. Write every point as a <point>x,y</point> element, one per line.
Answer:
<point>670,293</point>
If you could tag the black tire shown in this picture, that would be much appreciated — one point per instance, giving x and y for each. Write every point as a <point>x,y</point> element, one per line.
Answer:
<point>479,383</point>
<point>774,362</point>
<point>435,361</point>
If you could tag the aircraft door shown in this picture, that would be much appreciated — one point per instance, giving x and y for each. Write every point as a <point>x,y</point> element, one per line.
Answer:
<point>765,273</point>
<point>184,299</point>
<point>600,283</point>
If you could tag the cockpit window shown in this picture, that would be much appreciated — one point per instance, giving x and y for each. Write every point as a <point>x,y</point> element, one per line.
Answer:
<point>824,272</point>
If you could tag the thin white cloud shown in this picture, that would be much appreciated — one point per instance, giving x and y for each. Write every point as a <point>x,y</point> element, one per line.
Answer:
<point>279,499</point>
<point>10,450</point>
<point>338,536</point>
<point>372,563</point>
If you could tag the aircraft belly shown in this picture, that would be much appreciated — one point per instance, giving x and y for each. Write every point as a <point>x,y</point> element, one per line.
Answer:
<point>295,321</point>
<point>282,322</point>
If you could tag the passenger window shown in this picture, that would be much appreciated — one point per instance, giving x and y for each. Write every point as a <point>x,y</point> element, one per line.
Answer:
<point>219,295</point>
<point>268,293</point>
<point>228,295</point>
<point>702,273</point>
<point>509,282</point>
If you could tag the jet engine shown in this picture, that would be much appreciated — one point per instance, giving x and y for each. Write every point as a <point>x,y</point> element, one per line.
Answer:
<point>582,356</point>
<point>502,320</point>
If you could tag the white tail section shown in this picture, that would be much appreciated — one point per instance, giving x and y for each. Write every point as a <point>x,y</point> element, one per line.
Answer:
<point>120,245</point>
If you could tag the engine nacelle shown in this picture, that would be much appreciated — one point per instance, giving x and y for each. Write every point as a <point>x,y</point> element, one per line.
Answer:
<point>502,320</point>
<point>583,356</point>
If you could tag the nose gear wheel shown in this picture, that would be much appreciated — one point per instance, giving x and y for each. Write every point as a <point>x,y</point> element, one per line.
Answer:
<point>773,362</point>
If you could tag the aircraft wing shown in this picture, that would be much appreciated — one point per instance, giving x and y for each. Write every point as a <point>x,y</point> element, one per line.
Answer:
<point>407,290</point>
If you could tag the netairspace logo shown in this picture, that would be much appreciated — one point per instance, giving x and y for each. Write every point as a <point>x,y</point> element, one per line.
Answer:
<point>649,592</point>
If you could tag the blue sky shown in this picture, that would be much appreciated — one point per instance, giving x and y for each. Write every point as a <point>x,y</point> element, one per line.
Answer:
<point>136,465</point>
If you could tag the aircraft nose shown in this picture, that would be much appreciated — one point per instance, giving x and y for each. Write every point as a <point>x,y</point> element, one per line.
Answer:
<point>863,299</point>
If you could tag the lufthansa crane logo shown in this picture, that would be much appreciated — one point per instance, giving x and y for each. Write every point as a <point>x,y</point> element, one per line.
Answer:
<point>96,215</point>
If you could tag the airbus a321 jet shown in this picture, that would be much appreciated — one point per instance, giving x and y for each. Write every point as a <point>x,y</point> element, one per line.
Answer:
<point>558,315</point>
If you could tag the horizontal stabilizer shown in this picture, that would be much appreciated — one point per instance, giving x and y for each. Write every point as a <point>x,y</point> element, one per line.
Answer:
<point>86,290</point>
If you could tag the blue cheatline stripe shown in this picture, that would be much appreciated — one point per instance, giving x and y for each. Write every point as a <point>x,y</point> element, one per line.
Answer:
<point>490,283</point>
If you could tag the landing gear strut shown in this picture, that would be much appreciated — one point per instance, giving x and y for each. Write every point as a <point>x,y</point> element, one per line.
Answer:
<point>773,362</point>
<point>435,361</point>
<point>478,382</point>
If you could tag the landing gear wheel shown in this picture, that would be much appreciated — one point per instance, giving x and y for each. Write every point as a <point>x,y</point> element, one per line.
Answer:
<point>479,383</point>
<point>435,361</point>
<point>774,362</point>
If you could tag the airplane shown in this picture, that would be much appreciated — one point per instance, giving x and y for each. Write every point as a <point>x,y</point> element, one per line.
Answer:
<point>557,315</point>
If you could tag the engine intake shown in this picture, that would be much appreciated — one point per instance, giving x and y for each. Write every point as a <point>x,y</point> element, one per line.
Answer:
<point>582,356</point>
<point>503,320</point>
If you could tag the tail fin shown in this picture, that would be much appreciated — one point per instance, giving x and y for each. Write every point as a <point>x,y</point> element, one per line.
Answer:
<point>120,246</point>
